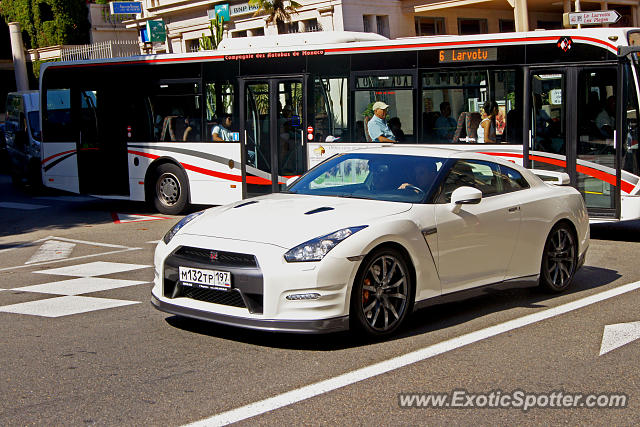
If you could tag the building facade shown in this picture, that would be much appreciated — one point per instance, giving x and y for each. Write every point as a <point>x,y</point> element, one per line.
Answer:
<point>187,21</point>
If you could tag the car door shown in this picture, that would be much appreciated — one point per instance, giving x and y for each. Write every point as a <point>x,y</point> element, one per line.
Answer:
<point>475,241</point>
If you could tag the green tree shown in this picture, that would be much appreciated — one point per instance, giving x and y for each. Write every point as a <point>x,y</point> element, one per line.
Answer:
<point>49,22</point>
<point>278,11</point>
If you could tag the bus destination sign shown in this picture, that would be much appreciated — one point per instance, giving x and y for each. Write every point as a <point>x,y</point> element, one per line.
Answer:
<point>480,54</point>
<point>271,55</point>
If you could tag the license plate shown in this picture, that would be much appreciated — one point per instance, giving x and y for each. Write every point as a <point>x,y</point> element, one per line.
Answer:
<point>208,279</point>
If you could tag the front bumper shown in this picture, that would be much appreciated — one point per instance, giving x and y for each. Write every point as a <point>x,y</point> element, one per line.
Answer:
<point>335,324</point>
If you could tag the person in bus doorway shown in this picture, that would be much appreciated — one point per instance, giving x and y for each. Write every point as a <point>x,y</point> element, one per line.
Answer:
<point>487,127</point>
<point>378,128</point>
<point>606,119</point>
<point>222,131</point>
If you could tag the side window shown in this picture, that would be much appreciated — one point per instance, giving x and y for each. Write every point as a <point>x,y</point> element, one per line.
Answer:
<point>220,97</point>
<point>57,125</point>
<point>512,180</point>
<point>479,106</point>
<point>177,111</point>
<point>329,109</point>
<point>485,176</point>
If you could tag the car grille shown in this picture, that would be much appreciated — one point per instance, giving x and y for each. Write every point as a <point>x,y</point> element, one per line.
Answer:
<point>232,298</point>
<point>221,258</point>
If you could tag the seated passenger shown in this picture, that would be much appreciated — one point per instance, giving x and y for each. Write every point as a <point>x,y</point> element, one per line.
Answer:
<point>378,129</point>
<point>222,132</point>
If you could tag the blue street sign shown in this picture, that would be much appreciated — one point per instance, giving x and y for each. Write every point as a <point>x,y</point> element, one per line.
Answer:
<point>125,7</point>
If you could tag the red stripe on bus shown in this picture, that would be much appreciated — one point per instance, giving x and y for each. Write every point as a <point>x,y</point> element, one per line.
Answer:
<point>236,178</point>
<point>57,155</point>
<point>625,186</point>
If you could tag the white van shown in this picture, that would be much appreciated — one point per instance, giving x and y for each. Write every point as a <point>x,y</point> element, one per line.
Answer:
<point>23,135</point>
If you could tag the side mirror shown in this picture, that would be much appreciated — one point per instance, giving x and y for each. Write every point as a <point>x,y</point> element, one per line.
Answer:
<point>466,196</point>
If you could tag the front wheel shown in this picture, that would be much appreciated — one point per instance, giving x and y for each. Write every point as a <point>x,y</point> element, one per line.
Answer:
<point>170,190</point>
<point>382,293</point>
<point>559,260</point>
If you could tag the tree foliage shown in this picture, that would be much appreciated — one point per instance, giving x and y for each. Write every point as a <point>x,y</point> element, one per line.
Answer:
<point>277,10</point>
<point>49,22</point>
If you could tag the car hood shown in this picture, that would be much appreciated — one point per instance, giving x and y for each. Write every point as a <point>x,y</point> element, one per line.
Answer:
<point>287,220</point>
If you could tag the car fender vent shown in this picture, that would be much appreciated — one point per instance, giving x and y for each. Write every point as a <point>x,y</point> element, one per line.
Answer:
<point>245,204</point>
<point>318,210</point>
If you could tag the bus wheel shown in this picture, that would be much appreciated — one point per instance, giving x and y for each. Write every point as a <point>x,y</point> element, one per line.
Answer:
<point>171,190</point>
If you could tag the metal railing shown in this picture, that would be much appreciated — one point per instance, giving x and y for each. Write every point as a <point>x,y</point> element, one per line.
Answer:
<point>106,49</point>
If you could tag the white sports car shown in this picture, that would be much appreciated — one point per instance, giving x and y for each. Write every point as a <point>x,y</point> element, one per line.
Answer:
<point>366,237</point>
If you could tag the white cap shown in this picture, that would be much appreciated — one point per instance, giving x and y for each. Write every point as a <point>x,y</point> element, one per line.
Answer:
<point>379,106</point>
<point>332,138</point>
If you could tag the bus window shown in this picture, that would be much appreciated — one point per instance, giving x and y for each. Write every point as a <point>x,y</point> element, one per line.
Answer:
<point>596,125</point>
<point>394,90</point>
<point>452,106</point>
<point>548,120</point>
<point>57,116</point>
<point>631,154</point>
<point>177,110</point>
<point>329,104</point>
<point>220,102</point>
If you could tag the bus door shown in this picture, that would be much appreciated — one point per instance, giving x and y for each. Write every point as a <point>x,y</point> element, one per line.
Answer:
<point>102,148</point>
<point>572,130</point>
<point>272,120</point>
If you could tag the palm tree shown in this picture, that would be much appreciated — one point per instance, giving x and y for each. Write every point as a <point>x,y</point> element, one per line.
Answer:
<point>279,11</point>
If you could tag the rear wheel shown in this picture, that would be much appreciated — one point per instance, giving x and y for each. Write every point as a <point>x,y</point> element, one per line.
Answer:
<point>559,260</point>
<point>382,293</point>
<point>170,190</point>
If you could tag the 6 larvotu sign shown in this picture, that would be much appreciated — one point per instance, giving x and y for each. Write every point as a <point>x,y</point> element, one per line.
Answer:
<point>480,54</point>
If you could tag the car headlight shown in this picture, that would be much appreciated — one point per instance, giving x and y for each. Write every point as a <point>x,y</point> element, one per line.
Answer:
<point>316,249</point>
<point>184,221</point>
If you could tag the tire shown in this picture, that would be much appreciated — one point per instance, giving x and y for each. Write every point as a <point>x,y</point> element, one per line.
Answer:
<point>382,293</point>
<point>170,190</point>
<point>559,259</point>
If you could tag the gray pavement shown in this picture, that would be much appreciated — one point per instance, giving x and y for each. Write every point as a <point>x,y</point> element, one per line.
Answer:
<point>92,350</point>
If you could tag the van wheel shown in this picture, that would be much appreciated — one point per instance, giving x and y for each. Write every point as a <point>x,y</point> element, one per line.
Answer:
<point>170,189</point>
<point>382,293</point>
<point>559,260</point>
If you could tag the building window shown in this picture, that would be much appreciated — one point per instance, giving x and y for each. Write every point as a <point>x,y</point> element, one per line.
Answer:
<point>236,34</point>
<point>192,45</point>
<point>382,25</point>
<point>426,26</point>
<point>507,26</point>
<point>310,25</point>
<point>287,27</point>
<point>468,26</point>
<point>366,23</point>
<point>549,25</point>
<point>256,32</point>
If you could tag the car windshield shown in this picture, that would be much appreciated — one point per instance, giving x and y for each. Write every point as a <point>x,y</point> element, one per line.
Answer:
<point>390,177</point>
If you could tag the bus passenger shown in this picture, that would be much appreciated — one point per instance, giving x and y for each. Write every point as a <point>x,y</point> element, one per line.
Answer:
<point>487,128</point>
<point>445,125</point>
<point>222,132</point>
<point>378,129</point>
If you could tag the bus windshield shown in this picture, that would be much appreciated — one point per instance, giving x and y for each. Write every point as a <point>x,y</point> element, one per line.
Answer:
<point>396,178</point>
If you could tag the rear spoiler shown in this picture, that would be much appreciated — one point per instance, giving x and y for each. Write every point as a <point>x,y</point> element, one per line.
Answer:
<point>552,177</point>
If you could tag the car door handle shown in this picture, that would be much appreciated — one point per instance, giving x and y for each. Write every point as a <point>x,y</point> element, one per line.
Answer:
<point>514,209</point>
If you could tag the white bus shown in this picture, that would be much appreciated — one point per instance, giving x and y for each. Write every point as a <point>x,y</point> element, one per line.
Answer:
<point>140,128</point>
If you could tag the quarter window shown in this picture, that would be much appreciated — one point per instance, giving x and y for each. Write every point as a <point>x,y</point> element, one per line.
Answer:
<point>512,180</point>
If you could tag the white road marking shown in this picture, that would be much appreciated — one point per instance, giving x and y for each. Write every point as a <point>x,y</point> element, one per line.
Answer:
<point>121,218</point>
<point>78,286</point>
<point>97,268</point>
<point>312,390</point>
<point>21,206</point>
<point>106,245</point>
<point>52,250</point>
<point>70,259</point>
<point>64,306</point>
<point>153,242</point>
<point>617,335</point>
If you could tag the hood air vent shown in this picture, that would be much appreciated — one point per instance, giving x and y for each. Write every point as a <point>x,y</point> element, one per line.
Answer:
<point>318,210</point>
